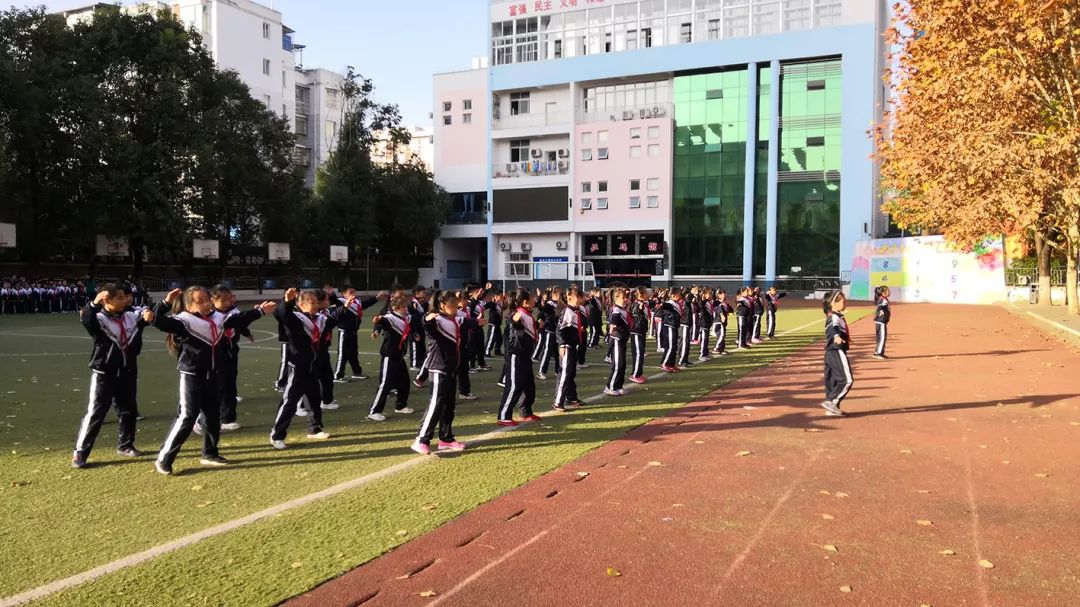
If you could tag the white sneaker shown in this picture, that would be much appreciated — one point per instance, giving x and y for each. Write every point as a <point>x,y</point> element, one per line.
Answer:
<point>500,384</point>
<point>198,429</point>
<point>541,376</point>
<point>239,399</point>
<point>358,377</point>
<point>230,426</point>
<point>623,392</point>
<point>405,410</point>
<point>611,392</point>
<point>319,435</point>
<point>377,417</point>
<point>301,412</point>
<point>278,444</point>
<point>341,381</point>
<point>330,406</point>
<point>469,396</point>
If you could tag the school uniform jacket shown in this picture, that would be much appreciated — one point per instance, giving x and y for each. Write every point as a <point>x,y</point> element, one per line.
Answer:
<point>396,331</point>
<point>114,337</point>
<point>201,339</point>
<point>758,306</point>
<point>444,338</point>
<point>884,314</point>
<point>619,321</point>
<point>671,313</point>
<point>549,315</point>
<point>721,311</point>
<point>772,302</point>
<point>494,313</point>
<point>309,336</point>
<point>571,327</point>
<point>351,321</point>
<point>233,336</point>
<point>743,308</point>
<point>836,324</point>
<point>639,318</point>
<point>521,338</point>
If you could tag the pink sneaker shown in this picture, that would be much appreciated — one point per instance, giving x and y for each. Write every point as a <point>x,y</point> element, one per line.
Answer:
<point>454,446</point>
<point>531,418</point>
<point>505,423</point>
<point>639,380</point>
<point>421,448</point>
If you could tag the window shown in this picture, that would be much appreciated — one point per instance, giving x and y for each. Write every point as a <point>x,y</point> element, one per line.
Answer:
<point>796,15</point>
<point>601,186</point>
<point>300,127</point>
<point>519,150</point>
<point>653,202</point>
<point>266,100</point>
<point>586,138</point>
<point>333,98</point>
<point>266,67</point>
<point>646,37</point>
<point>586,187</point>
<point>635,202</point>
<point>653,184</point>
<point>586,203</point>
<point>601,203</point>
<point>815,85</point>
<point>447,106</point>
<point>654,132</point>
<point>815,142</point>
<point>714,29</point>
<point>635,185</point>
<point>466,104</point>
<point>586,154</point>
<point>558,49</point>
<point>466,119</point>
<point>519,103</point>
<point>601,137</point>
<point>635,133</point>
<point>766,19</point>
<point>654,151</point>
<point>685,35</point>
<point>635,151</point>
<point>331,130</point>
<point>266,30</point>
<point>447,120</point>
<point>601,153</point>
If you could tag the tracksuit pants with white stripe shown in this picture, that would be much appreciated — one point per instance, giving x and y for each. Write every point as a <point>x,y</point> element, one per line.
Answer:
<point>326,383</point>
<point>638,340</point>
<point>770,323</point>
<point>838,377</point>
<point>520,385</point>
<point>703,339</point>
<point>283,368</point>
<point>546,351</point>
<point>494,341</point>
<point>720,330</point>
<point>566,388</point>
<point>881,331</point>
<point>199,395</point>
<point>347,354</point>
<point>302,385</point>
<point>440,410</point>
<point>227,376</point>
<point>393,375</point>
<point>418,351</point>
<point>617,375</point>
<point>669,338</point>
<point>745,330</point>
<point>755,333</point>
<point>104,391</point>
<point>685,336</point>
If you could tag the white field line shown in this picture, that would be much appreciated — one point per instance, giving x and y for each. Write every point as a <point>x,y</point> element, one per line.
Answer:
<point>189,540</point>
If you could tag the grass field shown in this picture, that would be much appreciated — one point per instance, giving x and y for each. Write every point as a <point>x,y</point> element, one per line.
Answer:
<point>61,521</point>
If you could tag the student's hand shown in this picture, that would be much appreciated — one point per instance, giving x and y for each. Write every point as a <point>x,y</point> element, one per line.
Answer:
<point>376,320</point>
<point>430,317</point>
<point>480,322</point>
<point>148,315</point>
<point>382,296</point>
<point>487,286</point>
<point>374,335</point>
<point>348,300</point>
<point>100,298</point>
<point>516,317</point>
<point>837,340</point>
<point>267,307</point>
<point>251,338</point>
<point>290,294</point>
<point>173,296</point>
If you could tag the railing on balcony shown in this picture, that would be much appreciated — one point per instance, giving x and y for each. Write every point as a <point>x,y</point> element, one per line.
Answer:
<point>643,112</point>
<point>302,108</point>
<point>532,168</point>
<point>466,218</point>
<point>538,119</point>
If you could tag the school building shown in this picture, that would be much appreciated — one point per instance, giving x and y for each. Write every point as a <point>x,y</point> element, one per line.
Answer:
<point>664,141</point>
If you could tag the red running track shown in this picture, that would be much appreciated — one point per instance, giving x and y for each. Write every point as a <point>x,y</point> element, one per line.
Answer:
<point>962,448</point>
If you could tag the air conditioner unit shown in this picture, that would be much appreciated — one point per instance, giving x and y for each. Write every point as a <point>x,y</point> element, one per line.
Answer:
<point>628,115</point>
<point>505,247</point>
<point>564,153</point>
<point>657,111</point>
<point>560,245</point>
<point>644,113</point>
<point>526,247</point>
<point>536,153</point>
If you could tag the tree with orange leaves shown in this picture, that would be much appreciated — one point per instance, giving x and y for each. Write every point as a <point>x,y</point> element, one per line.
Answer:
<point>984,134</point>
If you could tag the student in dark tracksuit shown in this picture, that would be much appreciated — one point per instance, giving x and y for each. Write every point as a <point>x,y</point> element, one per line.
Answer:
<point>758,307</point>
<point>595,311</point>
<point>882,316</point>
<point>283,339</point>
<point>309,329</point>
<point>396,328</point>
<point>686,331</point>
<point>348,353</point>
<point>418,308</point>
<point>744,318</point>
<point>114,327</point>
<point>670,320</point>
<point>521,340</point>
<point>721,309</point>
<point>570,335</point>
<point>546,349</point>
<point>639,325</point>
<point>493,312</point>
<point>225,303</point>
<point>838,377</point>
<point>772,302</point>
<point>196,336</point>
<point>704,322</point>
<point>470,326</point>
<point>475,310</point>
<point>444,342</point>
<point>619,322</point>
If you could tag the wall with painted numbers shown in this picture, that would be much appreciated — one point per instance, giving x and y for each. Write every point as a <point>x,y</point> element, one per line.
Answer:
<point>929,269</point>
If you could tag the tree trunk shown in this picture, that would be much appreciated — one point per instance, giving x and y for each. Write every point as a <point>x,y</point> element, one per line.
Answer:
<point>1042,250</point>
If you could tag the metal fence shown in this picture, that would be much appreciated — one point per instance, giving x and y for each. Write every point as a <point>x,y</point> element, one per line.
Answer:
<point>1023,277</point>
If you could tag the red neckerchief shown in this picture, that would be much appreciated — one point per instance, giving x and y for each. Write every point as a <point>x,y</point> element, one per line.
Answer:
<point>316,336</point>
<point>581,322</point>
<point>404,332</point>
<point>123,331</point>
<point>213,331</point>
<point>530,326</point>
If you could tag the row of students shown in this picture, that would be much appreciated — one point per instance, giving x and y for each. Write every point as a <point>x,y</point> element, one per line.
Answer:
<point>41,297</point>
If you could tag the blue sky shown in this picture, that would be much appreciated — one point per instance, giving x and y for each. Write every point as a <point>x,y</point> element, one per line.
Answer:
<point>399,44</point>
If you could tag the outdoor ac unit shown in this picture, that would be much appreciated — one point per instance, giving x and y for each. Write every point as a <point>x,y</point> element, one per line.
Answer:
<point>561,245</point>
<point>526,247</point>
<point>505,247</point>
<point>536,153</point>
<point>657,111</point>
<point>564,153</point>
<point>628,115</point>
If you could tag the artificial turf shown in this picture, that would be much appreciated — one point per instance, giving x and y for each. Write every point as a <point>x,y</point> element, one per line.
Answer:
<point>62,521</point>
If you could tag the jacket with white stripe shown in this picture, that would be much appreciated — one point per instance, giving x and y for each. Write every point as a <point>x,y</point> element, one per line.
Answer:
<point>201,339</point>
<point>444,339</point>
<point>639,318</point>
<point>720,312</point>
<point>233,335</point>
<point>309,335</point>
<point>619,321</point>
<point>671,313</point>
<point>549,315</point>
<point>571,327</point>
<point>772,302</point>
<point>884,313</point>
<point>350,322</point>
<point>117,337</point>
<point>522,334</point>
<point>836,324</point>
<point>396,331</point>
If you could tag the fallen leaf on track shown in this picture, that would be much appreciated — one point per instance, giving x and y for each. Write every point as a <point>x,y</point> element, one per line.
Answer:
<point>428,593</point>
<point>841,494</point>
<point>947,552</point>
<point>583,474</point>
<point>297,565</point>
<point>830,548</point>
<point>1042,475</point>
<point>845,589</point>
<point>824,492</point>
<point>742,454</point>
<point>906,451</point>
<point>402,532</point>
<point>925,523</point>
<point>827,517</point>
<point>812,430</point>
<point>985,564</point>
<point>613,572</point>
<point>656,464</point>
<point>430,507</point>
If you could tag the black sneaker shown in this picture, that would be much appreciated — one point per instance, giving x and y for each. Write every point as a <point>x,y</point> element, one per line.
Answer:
<point>78,462</point>
<point>129,452</point>
<point>163,468</point>
<point>214,460</point>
